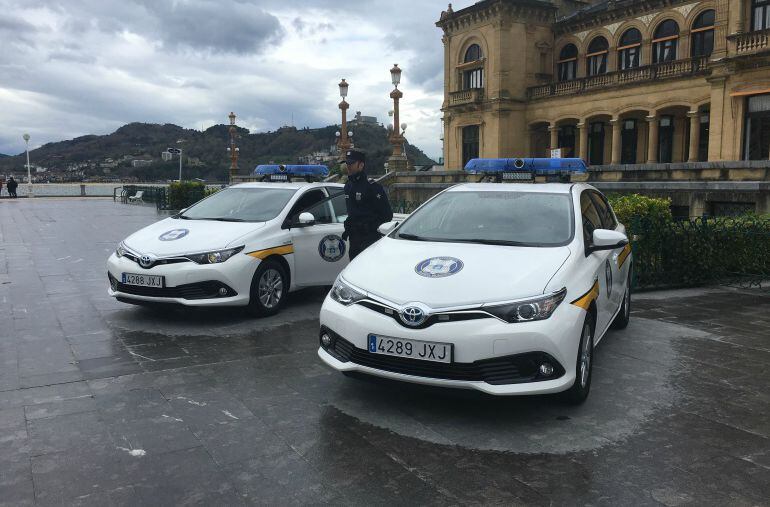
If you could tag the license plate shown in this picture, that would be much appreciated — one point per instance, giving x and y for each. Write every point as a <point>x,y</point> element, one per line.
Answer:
<point>143,280</point>
<point>411,349</point>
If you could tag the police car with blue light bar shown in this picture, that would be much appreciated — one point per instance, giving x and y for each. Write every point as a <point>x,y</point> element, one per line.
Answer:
<point>501,287</point>
<point>247,245</point>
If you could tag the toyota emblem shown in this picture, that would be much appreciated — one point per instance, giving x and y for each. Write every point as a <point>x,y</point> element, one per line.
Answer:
<point>146,261</point>
<point>413,316</point>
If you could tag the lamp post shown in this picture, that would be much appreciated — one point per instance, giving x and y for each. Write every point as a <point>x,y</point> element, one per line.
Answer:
<point>29,171</point>
<point>397,160</point>
<point>177,151</point>
<point>343,139</point>
<point>233,150</point>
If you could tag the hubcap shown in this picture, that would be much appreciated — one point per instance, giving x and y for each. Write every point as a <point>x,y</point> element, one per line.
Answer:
<point>270,289</point>
<point>585,356</point>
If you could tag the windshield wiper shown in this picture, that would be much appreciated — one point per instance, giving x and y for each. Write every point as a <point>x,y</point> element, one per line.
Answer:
<point>183,217</point>
<point>224,219</point>
<point>412,237</point>
<point>482,241</point>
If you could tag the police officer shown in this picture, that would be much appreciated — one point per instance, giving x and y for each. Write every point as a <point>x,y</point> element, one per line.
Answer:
<point>368,205</point>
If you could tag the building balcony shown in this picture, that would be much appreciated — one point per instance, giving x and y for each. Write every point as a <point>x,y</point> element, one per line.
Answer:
<point>465,97</point>
<point>647,73</point>
<point>751,42</point>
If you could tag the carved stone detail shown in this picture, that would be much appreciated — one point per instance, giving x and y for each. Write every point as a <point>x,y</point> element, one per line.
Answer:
<point>613,27</point>
<point>686,9</point>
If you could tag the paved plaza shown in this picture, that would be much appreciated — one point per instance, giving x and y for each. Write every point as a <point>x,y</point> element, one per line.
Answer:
<point>103,403</point>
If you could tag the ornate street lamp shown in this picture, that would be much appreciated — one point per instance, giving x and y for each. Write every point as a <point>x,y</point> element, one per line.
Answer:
<point>343,141</point>
<point>233,150</point>
<point>29,172</point>
<point>397,160</point>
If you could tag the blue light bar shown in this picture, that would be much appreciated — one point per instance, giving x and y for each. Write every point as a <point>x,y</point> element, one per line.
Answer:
<point>315,171</point>
<point>537,166</point>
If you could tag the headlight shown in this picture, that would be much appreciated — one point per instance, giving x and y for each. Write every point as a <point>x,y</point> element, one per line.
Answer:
<point>214,257</point>
<point>528,310</point>
<point>345,294</point>
<point>121,250</point>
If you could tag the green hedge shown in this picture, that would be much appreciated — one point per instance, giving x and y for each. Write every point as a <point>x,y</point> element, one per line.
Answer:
<point>183,194</point>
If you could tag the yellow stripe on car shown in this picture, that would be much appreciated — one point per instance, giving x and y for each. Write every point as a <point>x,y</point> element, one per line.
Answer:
<point>277,250</point>
<point>624,255</point>
<point>585,300</point>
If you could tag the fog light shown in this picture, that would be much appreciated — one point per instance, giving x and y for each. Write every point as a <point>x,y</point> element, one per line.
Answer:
<point>326,340</point>
<point>222,291</point>
<point>114,284</point>
<point>546,369</point>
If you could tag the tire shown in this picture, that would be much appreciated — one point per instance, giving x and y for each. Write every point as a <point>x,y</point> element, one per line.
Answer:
<point>584,364</point>
<point>269,289</point>
<point>624,315</point>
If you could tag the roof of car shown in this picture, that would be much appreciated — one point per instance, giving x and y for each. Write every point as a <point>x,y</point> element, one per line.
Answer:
<point>288,185</point>
<point>550,188</point>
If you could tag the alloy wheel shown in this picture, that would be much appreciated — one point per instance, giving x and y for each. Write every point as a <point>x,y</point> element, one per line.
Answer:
<point>270,289</point>
<point>585,355</point>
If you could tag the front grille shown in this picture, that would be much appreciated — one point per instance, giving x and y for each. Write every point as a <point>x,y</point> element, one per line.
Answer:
<point>433,319</point>
<point>158,262</point>
<point>514,369</point>
<point>198,290</point>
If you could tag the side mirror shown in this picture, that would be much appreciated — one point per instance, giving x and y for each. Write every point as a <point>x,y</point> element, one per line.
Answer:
<point>306,219</point>
<point>605,239</point>
<point>388,227</point>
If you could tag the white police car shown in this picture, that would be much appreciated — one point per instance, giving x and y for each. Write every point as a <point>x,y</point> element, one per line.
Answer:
<point>249,244</point>
<point>503,288</point>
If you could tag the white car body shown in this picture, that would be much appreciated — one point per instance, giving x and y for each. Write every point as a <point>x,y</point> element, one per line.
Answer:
<point>388,275</point>
<point>312,255</point>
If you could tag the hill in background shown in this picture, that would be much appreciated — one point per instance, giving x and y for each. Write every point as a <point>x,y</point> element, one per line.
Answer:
<point>204,153</point>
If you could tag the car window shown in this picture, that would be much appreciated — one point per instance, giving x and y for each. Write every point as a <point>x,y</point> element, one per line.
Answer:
<point>322,212</point>
<point>605,213</point>
<point>590,215</point>
<point>493,217</point>
<point>340,208</point>
<point>308,199</point>
<point>335,190</point>
<point>241,204</point>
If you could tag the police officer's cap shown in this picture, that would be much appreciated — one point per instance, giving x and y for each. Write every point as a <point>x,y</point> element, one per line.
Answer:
<point>352,156</point>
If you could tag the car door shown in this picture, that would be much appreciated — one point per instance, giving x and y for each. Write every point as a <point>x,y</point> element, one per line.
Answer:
<point>320,253</point>
<point>617,274</point>
<point>599,262</point>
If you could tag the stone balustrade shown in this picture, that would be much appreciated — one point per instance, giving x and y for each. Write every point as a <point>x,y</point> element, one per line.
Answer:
<point>463,97</point>
<point>751,42</point>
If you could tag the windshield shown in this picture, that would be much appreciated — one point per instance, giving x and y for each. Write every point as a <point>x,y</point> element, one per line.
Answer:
<point>241,205</point>
<point>504,218</point>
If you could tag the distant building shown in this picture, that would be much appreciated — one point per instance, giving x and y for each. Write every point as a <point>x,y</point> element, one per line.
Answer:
<point>364,119</point>
<point>166,156</point>
<point>140,163</point>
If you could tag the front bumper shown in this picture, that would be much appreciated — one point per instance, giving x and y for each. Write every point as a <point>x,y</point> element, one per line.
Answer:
<point>488,355</point>
<point>187,283</point>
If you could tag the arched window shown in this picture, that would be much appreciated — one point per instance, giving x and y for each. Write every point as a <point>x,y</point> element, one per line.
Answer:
<point>473,53</point>
<point>630,50</point>
<point>665,42</point>
<point>567,64</point>
<point>760,15</point>
<point>473,77</point>
<point>596,59</point>
<point>703,34</point>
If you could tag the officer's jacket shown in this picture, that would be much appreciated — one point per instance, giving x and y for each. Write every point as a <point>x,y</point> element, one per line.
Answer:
<point>368,205</point>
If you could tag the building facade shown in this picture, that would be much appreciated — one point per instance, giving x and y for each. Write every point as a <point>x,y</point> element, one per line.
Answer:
<point>612,82</point>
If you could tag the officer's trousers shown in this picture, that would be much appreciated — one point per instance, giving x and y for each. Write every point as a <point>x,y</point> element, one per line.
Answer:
<point>360,242</point>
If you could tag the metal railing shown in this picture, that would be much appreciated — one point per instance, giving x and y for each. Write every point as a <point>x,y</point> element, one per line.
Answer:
<point>461,97</point>
<point>665,70</point>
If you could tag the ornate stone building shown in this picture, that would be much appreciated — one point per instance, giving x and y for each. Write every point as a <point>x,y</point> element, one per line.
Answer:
<point>612,82</point>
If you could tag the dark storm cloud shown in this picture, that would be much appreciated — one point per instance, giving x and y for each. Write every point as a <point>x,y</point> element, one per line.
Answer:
<point>15,31</point>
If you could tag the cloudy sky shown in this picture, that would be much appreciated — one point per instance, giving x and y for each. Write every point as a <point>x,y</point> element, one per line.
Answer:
<point>75,67</point>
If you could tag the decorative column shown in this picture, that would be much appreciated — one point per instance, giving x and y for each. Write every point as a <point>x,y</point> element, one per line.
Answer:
<point>554,130</point>
<point>233,149</point>
<point>694,135</point>
<point>616,140</point>
<point>583,128</point>
<point>343,142</point>
<point>652,139</point>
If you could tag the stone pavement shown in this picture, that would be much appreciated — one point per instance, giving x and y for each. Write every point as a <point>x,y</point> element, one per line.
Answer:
<point>103,403</point>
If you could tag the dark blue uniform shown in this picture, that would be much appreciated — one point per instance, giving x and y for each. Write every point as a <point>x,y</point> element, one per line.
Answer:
<point>368,208</point>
